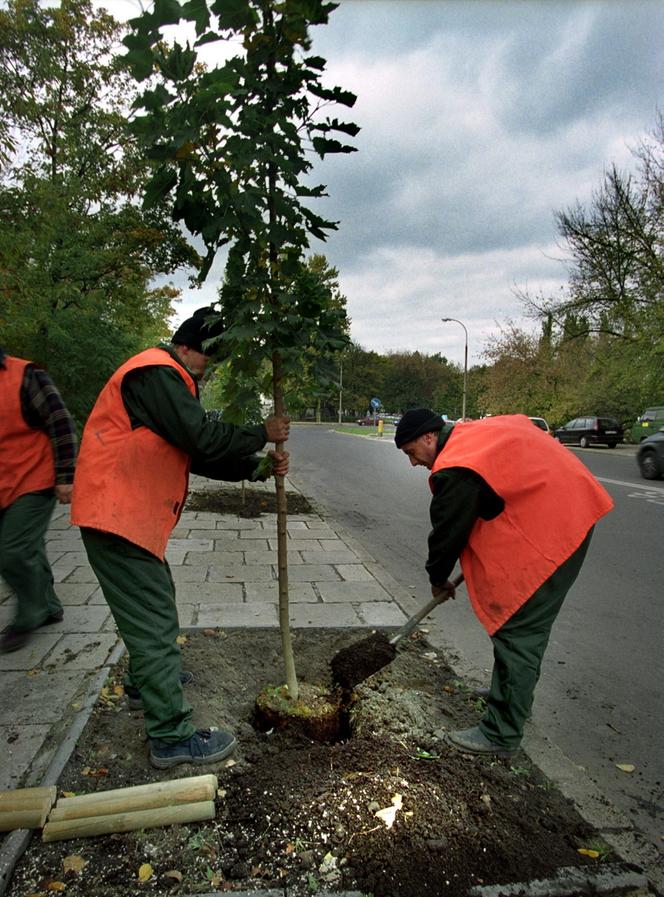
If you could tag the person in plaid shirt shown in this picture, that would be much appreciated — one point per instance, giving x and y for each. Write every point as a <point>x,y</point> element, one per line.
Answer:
<point>37,459</point>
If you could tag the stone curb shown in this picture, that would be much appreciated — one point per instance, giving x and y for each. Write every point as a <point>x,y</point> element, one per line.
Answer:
<point>16,843</point>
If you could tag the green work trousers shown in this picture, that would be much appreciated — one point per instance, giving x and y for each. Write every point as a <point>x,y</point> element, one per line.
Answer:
<point>23,562</point>
<point>518,649</point>
<point>140,592</point>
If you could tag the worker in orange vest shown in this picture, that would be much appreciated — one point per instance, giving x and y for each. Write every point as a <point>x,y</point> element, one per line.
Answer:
<point>146,432</point>
<point>517,509</point>
<point>37,458</point>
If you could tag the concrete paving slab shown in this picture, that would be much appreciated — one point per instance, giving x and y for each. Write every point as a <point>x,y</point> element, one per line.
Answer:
<point>299,545</point>
<point>21,746</point>
<point>382,613</point>
<point>75,558</point>
<point>188,574</point>
<point>341,556</point>
<point>188,545</point>
<point>187,614</point>
<point>238,523</point>
<point>313,573</point>
<point>81,651</point>
<point>332,592</point>
<point>270,557</point>
<point>240,573</point>
<point>354,573</point>
<point>86,618</point>
<point>75,592</point>
<point>206,592</point>
<point>269,591</point>
<point>82,573</point>
<point>39,698</point>
<point>250,615</point>
<point>304,615</point>
<point>175,558</point>
<point>54,555</point>
<point>68,541</point>
<point>61,571</point>
<point>32,654</point>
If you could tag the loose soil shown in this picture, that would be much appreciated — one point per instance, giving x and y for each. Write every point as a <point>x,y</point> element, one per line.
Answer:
<point>303,817</point>
<point>245,502</point>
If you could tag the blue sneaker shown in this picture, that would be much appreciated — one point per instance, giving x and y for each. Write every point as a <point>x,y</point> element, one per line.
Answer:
<point>134,696</point>
<point>205,746</point>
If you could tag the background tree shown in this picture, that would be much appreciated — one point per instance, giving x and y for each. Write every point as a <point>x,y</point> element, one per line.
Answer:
<point>77,255</point>
<point>231,146</point>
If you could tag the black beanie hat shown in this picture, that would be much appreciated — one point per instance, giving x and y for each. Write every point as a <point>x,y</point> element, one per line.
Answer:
<point>415,423</point>
<point>194,331</point>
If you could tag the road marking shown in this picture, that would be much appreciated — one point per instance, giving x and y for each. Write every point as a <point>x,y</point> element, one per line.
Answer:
<point>652,494</point>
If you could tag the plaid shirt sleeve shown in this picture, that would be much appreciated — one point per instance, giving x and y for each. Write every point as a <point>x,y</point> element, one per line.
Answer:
<point>44,408</point>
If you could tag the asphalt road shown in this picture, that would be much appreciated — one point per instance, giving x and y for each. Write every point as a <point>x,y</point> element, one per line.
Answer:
<point>600,696</point>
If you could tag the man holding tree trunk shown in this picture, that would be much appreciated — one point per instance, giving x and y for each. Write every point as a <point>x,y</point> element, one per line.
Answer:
<point>146,432</point>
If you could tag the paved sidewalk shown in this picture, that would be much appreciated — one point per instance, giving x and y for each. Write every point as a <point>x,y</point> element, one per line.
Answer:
<point>225,572</point>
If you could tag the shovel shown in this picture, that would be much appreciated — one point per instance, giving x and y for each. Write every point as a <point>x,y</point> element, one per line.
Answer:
<point>357,662</point>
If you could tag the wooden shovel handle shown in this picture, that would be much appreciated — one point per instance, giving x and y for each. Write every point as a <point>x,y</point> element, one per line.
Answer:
<point>408,627</point>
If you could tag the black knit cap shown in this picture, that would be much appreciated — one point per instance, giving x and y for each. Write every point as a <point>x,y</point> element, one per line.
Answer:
<point>194,331</point>
<point>415,423</point>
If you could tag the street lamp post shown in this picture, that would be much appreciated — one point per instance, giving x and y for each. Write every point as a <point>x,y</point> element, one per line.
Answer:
<point>341,386</point>
<point>465,364</point>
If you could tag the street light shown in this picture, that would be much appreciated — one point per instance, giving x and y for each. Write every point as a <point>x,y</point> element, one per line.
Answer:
<point>465,364</point>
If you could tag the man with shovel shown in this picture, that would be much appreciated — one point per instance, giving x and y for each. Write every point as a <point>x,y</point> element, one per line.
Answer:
<point>146,432</point>
<point>517,509</point>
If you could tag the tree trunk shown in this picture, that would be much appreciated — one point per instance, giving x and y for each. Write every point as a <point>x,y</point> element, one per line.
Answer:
<point>282,544</point>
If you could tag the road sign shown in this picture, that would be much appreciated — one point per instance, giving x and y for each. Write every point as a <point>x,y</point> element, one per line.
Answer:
<point>375,404</point>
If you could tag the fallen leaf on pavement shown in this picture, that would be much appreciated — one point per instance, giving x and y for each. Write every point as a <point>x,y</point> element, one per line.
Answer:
<point>586,852</point>
<point>181,640</point>
<point>626,767</point>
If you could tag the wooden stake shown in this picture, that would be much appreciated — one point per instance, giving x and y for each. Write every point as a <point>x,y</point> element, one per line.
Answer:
<point>140,797</point>
<point>27,798</point>
<point>128,822</point>
<point>28,817</point>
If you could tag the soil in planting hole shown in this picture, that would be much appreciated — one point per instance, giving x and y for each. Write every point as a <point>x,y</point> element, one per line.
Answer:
<point>391,811</point>
<point>247,502</point>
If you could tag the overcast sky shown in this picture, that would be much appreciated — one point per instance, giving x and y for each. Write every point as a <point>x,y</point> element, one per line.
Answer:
<point>480,119</point>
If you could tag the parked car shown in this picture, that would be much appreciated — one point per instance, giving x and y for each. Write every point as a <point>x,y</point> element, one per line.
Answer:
<point>590,430</point>
<point>368,421</point>
<point>650,456</point>
<point>648,423</point>
<point>541,423</point>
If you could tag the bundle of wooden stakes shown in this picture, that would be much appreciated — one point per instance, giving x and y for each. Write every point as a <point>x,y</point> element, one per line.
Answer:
<point>104,812</point>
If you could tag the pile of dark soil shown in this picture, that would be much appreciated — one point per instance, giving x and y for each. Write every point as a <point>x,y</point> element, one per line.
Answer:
<point>389,811</point>
<point>245,502</point>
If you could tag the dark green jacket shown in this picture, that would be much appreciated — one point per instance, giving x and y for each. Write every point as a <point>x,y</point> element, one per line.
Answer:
<point>158,398</point>
<point>460,496</point>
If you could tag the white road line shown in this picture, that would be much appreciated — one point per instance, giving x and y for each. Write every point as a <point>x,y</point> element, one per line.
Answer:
<point>631,485</point>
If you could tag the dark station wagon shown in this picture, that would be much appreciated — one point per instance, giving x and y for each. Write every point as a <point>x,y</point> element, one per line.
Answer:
<point>595,430</point>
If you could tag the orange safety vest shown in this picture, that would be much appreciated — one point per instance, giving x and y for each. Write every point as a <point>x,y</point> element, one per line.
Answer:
<point>26,453</point>
<point>551,502</point>
<point>130,482</point>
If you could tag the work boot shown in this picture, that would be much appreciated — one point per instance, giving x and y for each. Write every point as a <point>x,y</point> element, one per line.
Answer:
<point>205,746</point>
<point>14,639</point>
<point>134,696</point>
<point>481,692</point>
<point>474,741</point>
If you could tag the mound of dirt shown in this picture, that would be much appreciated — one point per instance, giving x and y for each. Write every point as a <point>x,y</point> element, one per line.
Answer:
<point>389,811</point>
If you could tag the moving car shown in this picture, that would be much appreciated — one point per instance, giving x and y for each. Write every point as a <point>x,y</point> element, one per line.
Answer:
<point>541,423</point>
<point>590,430</point>
<point>650,456</point>
<point>648,423</point>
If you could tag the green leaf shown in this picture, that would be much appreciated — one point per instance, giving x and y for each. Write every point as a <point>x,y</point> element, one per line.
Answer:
<point>325,145</point>
<point>140,62</point>
<point>158,187</point>
<point>234,14</point>
<point>166,12</point>
<point>197,11</point>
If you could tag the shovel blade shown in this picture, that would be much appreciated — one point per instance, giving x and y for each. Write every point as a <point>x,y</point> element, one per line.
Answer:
<point>357,662</point>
